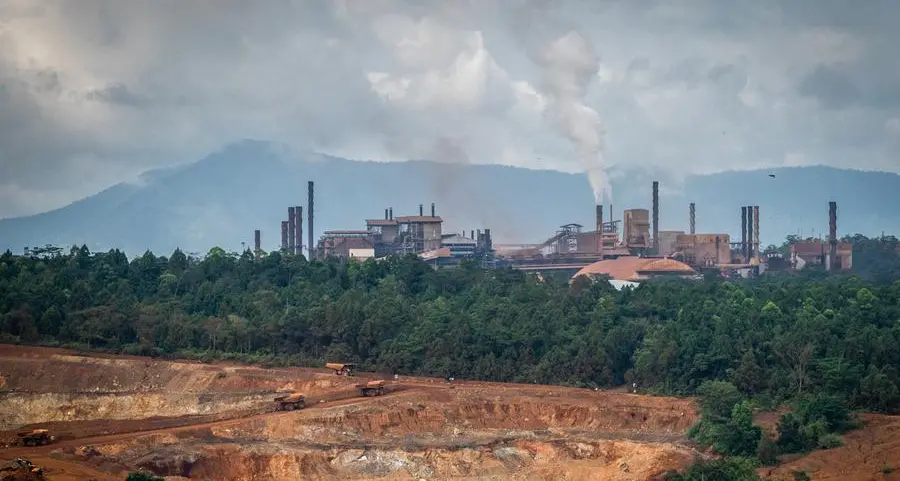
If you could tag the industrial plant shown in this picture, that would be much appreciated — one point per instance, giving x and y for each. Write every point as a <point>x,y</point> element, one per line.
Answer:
<point>629,249</point>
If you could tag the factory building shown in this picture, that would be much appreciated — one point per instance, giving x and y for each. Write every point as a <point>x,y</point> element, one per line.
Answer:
<point>340,243</point>
<point>416,234</point>
<point>637,228</point>
<point>668,242</point>
<point>703,250</point>
<point>817,252</point>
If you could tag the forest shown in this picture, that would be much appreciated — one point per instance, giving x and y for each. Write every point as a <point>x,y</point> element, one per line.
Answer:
<point>774,338</point>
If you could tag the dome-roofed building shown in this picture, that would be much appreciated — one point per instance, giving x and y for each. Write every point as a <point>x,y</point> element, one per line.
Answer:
<point>635,269</point>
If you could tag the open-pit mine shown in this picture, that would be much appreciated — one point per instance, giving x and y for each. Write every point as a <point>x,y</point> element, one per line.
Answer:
<point>110,415</point>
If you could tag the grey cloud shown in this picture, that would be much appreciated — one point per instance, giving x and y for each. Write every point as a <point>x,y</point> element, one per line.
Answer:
<point>106,89</point>
<point>117,94</point>
<point>830,86</point>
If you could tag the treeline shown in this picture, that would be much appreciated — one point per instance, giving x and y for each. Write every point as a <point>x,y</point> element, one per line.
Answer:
<point>774,339</point>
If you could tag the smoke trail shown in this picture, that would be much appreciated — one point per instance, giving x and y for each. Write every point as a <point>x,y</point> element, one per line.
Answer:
<point>568,64</point>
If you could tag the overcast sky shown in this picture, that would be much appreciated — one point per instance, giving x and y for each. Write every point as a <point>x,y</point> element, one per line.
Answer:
<point>94,92</point>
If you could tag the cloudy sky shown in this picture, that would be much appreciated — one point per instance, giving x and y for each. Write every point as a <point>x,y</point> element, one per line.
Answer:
<point>94,92</point>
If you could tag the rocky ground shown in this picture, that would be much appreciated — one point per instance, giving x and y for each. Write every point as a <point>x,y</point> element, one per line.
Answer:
<point>184,420</point>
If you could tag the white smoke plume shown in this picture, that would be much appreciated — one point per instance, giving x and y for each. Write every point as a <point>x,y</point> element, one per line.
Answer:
<point>569,64</point>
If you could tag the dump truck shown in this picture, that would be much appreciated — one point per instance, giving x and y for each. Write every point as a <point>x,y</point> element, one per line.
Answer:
<point>36,437</point>
<point>289,402</point>
<point>371,388</point>
<point>340,369</point>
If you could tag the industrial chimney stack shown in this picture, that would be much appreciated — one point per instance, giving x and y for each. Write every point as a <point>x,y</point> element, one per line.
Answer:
<point>298,234</point>
<point>692,220</point>
<point>292,230</point>
<point>750,234</point>
<point>656,217</point>
<point>432,209</point>
<point>599,218</point>
<point>832,234</point>
<point>284,236</point>
<point>756,249</point>
<point>257,241</point>
<point>309,205</point>
<point>745,252</point>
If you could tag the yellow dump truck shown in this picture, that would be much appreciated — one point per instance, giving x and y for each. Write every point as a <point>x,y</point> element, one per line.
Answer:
<point>36,437</point>
<point>341,369</point>
<point>289,402</point>
<point>371,388</point>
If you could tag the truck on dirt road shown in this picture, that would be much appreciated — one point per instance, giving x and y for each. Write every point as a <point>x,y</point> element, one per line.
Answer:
<point>371,388</point>
<point>341,369</point>
<point>289,402</point>
<point>36,437</point>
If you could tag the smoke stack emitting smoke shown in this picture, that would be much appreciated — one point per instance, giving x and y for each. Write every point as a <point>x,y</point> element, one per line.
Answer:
<point>569,64</point>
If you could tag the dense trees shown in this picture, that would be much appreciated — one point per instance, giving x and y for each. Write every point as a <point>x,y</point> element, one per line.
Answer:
<point>773,339</point>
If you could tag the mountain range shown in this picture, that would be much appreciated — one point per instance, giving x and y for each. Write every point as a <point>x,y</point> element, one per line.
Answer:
<point>220,199</point>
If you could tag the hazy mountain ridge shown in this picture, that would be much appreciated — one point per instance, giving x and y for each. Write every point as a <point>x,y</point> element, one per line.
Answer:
<point>221,198</point>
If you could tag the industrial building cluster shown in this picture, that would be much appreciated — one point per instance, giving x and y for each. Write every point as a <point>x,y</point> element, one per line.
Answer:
<point>637,251</point>
<point>420,234</point>
<point>413,234</point>
<point>642,250</point>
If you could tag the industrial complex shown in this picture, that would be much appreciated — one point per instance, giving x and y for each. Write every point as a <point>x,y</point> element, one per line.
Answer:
<point>626,250</point>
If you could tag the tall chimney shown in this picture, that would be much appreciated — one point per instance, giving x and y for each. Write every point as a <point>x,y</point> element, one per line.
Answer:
<point>421,212</point>
<point>432,209</point>
<point>832,234</point>
<point>612,217</point>
<point>744,251</point>
<point>292,229</point>
<point>390,213</point>
<point>693,219</point>
<point>386,214</point>
<point>599,218</point>
<point>298,235</point>
<point>309,215</point>
<point>257,241</point>
<point>656,217</point>
<point>750,232</point>
<point>488,243</point>
<point>472,234</point>
<point>756,249</point>
<point>284,235</point>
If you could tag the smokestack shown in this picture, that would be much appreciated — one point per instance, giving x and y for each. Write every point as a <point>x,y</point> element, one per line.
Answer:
<point>656,217</point>
<point>832,234</point>
<point>391,213</point>
<point>432,209</point>
<point>257,241</point>
<point>488,243</point>
<point>472,234</point>
<point>744,251</point>
<point>693,219</point>
<point>756,249</point>
<point>599,218</point>
<point>309,205</point>
<point>298,234</point>
<point>284,235</point>
<point>386,214</point>
<point>421,212</point>
<point>750,232</point>
<point>292,229</point>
